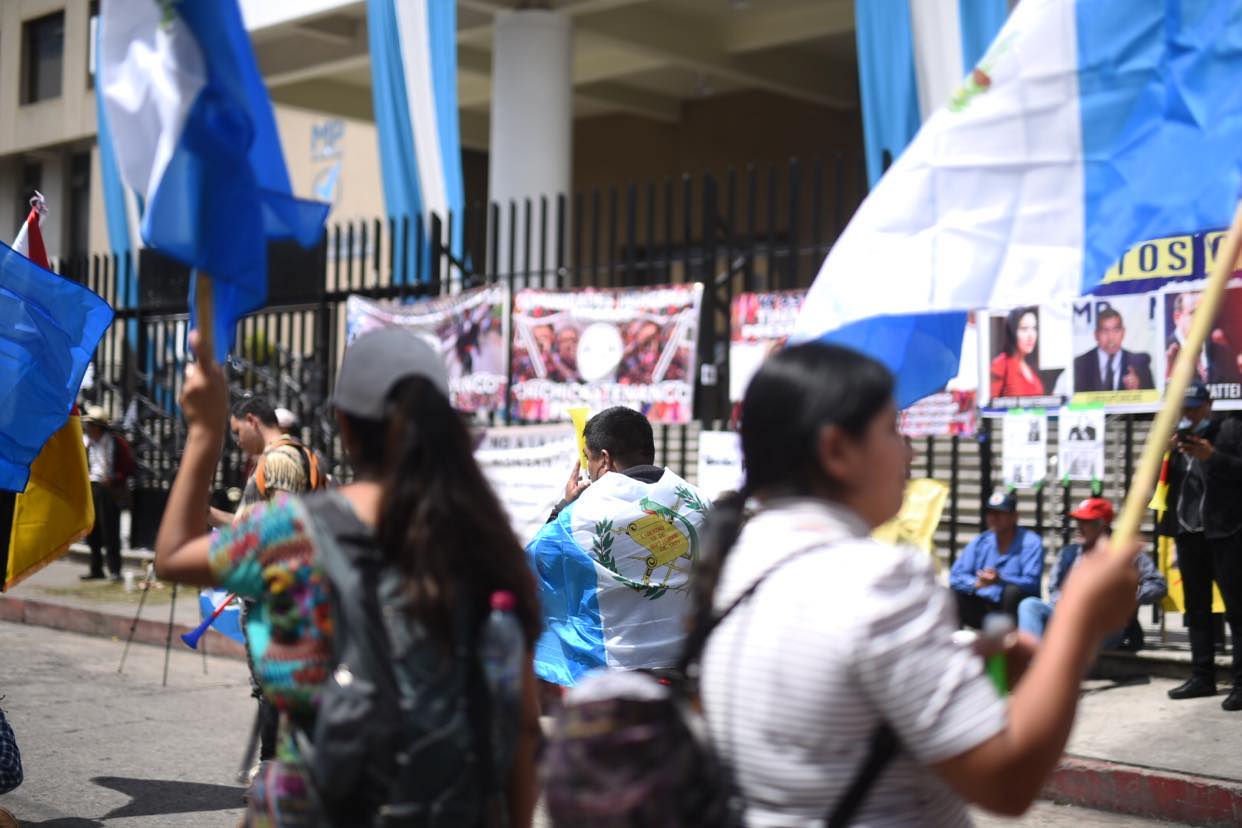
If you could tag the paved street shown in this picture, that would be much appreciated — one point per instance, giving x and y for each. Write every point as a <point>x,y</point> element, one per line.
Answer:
<point>101,748</point>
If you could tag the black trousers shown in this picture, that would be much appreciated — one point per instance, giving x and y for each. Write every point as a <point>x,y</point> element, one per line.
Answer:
<point>106,533</point>
<point>971,608</point>
<point>1202,560</point>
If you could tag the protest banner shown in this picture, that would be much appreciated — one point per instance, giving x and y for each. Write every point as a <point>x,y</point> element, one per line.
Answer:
<point>1218,363</point>
<point>527,467</point>
<point>1080,451</point>
<point>1027,353</point>
<point>947,414</point>
<point>1116,342</point>
<point>605,347</point>
<point>720,463</point>
<point>760,323</point>
<point>466,328</point>
<point>1024,455</point>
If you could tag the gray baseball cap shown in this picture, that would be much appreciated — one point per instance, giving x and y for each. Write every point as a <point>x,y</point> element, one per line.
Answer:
<point>378,360</point>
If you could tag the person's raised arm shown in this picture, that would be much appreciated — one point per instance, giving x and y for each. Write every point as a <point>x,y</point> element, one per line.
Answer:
<point>181,546</point>
<point>1005,773</point>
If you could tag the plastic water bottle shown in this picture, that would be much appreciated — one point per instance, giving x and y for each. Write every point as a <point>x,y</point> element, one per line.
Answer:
<point>501,651</point>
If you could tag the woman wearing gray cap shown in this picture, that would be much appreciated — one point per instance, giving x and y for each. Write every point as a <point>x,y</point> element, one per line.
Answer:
<point>373,636</point>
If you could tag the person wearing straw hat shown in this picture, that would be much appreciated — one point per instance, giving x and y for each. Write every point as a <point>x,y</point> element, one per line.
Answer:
<point>1205,485</point>
<point>101,459</point>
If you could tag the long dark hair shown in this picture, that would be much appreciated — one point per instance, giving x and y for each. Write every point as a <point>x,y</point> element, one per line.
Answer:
<point>1012,321</point>
<point>439,521</point>
<point>795,394</point>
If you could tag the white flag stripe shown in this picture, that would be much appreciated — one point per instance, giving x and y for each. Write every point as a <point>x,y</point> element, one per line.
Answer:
<point>414,31</point>
<point>155,73</point>
<point>985,207</point>
<point>937,33</point>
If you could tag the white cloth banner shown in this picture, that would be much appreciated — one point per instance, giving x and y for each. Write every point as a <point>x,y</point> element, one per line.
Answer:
<point>528,467</point>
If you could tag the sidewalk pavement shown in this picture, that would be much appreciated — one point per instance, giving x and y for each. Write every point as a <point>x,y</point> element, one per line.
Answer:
<point>1133,750</point>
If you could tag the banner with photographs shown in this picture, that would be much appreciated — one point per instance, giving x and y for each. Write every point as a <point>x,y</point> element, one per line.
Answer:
<point>466,328</point>
<point>947,414</point>
<point>1080,448</point>
<point>1024,448</point>
<point>1117,340</point>
<point>1027,354</point>
<point>528,467</point>
<point>603,347</point>
<point>760,325</point>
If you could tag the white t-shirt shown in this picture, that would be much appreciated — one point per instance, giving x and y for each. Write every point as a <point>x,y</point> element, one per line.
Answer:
<point>797,678</point>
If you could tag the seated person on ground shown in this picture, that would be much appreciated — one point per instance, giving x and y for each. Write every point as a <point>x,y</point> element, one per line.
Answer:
<point>1094,517</point>
<point>1000,567</point>
<point>613,562</point>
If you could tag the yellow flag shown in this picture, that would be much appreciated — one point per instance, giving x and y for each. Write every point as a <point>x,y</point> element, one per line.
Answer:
<point>580,414</point>
<point>55,510</point>
<point>915,525</point>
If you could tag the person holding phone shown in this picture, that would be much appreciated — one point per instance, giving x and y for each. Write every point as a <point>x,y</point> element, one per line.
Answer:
<point>1205,484</point>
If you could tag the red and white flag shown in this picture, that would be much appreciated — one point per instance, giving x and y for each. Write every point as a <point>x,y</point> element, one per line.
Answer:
<point>29,241</point>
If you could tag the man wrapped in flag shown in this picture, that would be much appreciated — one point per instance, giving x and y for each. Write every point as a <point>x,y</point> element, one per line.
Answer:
<point>55,509</point>
<point>613,562</point>
<point>194,135</point>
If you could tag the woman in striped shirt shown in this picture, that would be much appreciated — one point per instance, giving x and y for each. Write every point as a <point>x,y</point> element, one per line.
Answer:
<point>846,634</point>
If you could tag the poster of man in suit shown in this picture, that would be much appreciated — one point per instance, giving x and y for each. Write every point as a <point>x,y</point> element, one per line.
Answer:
<point>1217,363</point>
<point>1114,339</point>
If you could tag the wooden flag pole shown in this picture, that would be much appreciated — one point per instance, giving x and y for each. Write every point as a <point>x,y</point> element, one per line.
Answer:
<point>202,308</point>
<point>1126,529</point>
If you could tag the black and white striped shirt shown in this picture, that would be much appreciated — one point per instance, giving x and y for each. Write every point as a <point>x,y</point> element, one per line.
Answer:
<point>796,679</point>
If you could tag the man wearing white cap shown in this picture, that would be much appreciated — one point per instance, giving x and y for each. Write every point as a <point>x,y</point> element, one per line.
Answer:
<point>101,459</point>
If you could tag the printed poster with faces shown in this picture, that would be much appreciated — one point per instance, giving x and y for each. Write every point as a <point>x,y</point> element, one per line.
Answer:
<point>1024,448</point>
<point>603,347</point>
<point>1080,453</point>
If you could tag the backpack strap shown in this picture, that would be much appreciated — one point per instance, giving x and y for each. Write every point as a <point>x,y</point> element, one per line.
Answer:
<point>880,752</point>
<point>883,745</point>
<point>697,640</point>
<point>309,464</point>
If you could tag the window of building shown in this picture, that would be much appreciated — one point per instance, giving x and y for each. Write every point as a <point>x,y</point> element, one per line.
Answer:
<point>79,224</point>
<point>31,179</point>
<point>43,52</point>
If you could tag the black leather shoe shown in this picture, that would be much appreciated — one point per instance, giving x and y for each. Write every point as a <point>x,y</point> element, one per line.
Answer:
<point>1195,688</point>
<point>1234,700</point>
<point>92,577</point>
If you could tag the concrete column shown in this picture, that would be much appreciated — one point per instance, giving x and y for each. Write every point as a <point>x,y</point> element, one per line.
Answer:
<point>531,124</point>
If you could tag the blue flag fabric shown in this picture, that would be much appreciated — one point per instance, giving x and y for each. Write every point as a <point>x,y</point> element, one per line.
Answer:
<point>1086,127</point>
<point>194,135</point>
<point>49,328</point>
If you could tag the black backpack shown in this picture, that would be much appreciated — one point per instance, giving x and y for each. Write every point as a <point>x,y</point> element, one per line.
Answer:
<point>398,738</point>
<point>640,757</point>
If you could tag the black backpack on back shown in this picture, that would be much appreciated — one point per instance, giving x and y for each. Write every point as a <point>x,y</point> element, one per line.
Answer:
<point>403,734</point>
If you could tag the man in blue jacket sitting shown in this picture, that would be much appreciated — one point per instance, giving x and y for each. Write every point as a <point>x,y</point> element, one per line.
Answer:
<point>1000,567</point>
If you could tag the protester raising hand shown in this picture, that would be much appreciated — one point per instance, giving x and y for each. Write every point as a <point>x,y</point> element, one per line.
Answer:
<point>205,395</point>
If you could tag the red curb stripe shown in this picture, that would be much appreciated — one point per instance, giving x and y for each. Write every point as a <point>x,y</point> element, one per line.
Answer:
<point>105,625</point>
<point>1145,792</point>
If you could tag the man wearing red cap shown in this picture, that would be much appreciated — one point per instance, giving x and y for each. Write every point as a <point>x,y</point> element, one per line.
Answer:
<point>1094,516</point>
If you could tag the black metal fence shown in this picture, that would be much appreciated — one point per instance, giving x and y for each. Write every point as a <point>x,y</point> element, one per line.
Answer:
<point>746,230</point>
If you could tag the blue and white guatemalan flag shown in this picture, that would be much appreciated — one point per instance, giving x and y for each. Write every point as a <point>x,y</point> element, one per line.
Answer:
<point>194,136</point>
<point>413,47</point>
<point>613,572</point>
<point>1087,126</point>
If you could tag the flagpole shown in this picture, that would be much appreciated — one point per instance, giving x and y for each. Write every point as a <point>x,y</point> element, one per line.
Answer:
<point>1127,526</point>
<point>202,308</point>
